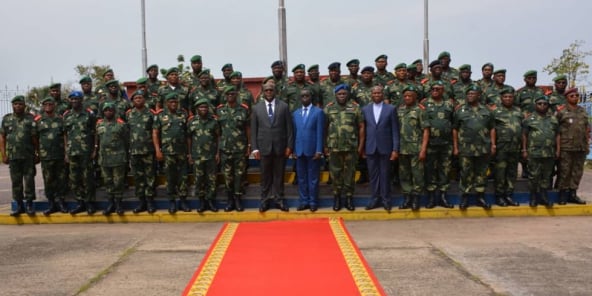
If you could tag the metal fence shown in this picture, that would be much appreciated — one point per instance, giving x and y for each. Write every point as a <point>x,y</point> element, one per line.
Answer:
<point>6,95</point>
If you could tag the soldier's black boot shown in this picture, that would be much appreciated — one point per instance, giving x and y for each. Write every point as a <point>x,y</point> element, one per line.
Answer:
<point>172,206</point>
<point>20,209</point>
<point>238,203</point>
<point>574,198</point>
<point>532,199</point>
<point>29,208</point>
<point>349,203</point>
<point>202,205</point>
<point>110,207</point>
<point>336,202</point>
<point>545,199</point>
<point>481,201</point>
<point>464,202</point>
<point>443,201</point>
<point>212,205</point>
<point>183,206</point>
<point>511,201</point>
<point>431,200</point>
<point>150,205</point>
<point>230,203</point>
<point>415,202</point>
<point>81,207</point>
<point>119,206</point>
<point>90,208</point>
<point>52,207</point>
<point>63,206</point>
<point>406,202</point>
<point>562,197</point>
<point>500,200</point>
<point>142,207</point>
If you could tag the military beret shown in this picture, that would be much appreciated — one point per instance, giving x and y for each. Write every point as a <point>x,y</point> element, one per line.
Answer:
<point>464,67</point>
<point>368,69</point>
<point>411,88</point>
<point>55,85</point>
<point>196,58</point>
<point>19,98</point>
<point>138,93</point>
<point>85,79</point>
<point>313,67</point>
<point>436,83</point>
<point>382,56</point>
<point>228,89</point>
<point>340,87</point>
<point>229,65</point>
<point>170,96</point>
<point>334,66</point>
<point>299,67</point>
<point>502,71</point>
<point>108,71</point>
<point>112,82</point>
<point>47,99</point>
<point>418,61</point>
<point>75,95</point>
<point>277,63</point>
<point>507,90</point>
<point>530,73</point>
<point>443,54</point>
<point>435,63</point>
<point>570,91</point>
<point>171,70</point>
<point>152,66</point>
<point>142,80</point>
<point>473,87</point>
<point>560,77</point>
<point>201,102</point>
<point>236,74</point>
<point>353,62</point>
<point>400,66</point>
<point>204,72</point>
<point>108,105</point>
<point>268,79</point>
<point>541,97</point>
<point>487,65</point>
<point>411,67</point>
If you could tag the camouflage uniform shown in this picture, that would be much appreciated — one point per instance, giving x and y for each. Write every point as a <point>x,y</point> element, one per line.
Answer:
<point>485,85</point>
<point>244,96</point>
<point>460,91</point>
<point>113,136</point>
<point>121,106</point>
<point>384,78</point>
<point>342,143</point>
<point>574,130</point>
<point>142,150</point>
<point>362,93</point>
<point>20,133</point>
<point>394,91</point>
<point>234,122</point>
<point>51,153</point>
<point>556,99</point>
<point>152,98</point>
<point>508,130</point>
<point>204,135</point>
<point>412,122</point>
<point>90,101</point>
<point>62,105</point>
<point>450,74</point>
<point>80,131</point>
<point>427,86</point>
<point>540,131</point>
<point>211,94</point>
<point>525,98</point>
<point>327,91</point>
<point>439,154</point>
<point>493,95</point>
<point>172,127</point>
<point>182,95</point>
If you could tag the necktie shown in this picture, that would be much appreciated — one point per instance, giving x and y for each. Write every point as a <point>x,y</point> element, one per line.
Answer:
<point>270,112</point>
<point>304,114</point>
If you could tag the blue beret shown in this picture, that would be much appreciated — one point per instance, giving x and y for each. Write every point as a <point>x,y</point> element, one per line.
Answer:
<point>368,69</point>
<point>277,64</point>
<point>340,87</point>
<point>76,94</point>
<point>353,62</point>
<point>334,66</point>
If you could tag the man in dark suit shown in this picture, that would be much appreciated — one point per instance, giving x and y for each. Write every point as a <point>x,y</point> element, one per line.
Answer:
<point>309,122</point>
<point>272,141</point>
<point>381,146</point>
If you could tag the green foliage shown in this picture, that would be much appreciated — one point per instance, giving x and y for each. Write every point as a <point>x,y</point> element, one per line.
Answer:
<point>94,71</point>
<point>571,63</point>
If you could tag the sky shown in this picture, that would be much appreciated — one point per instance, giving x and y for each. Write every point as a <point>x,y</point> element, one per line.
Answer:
<point>42,41</point>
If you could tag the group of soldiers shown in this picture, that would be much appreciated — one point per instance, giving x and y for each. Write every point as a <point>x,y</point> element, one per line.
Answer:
<point>191,119</point>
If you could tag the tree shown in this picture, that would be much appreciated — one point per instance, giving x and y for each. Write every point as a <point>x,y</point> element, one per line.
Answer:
<point>571,63</point>
<point>95,72</point>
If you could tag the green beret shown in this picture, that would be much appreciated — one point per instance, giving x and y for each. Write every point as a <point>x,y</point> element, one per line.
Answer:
<point>142,80</point>
<point>267,79</point>
<point>108,71</point>
<point>171,70</point>
<point>541,97</point>
<point>138,93</point>
<point>229,65</point>
<point>111,82</point>
<point>298,67</point>
<point>382,56</point>
<point>530,73</point>
<point>170,96</point>
<point>85,79</point>
<point>443,54</point>
<point>411,67</point>
<point>108,105</point>
<point>464,67</point>
<point>473,87</point>
<point>401,66</point>
<point>236,74</point>
<point>559,77</point>
<point>152,66</point>
<point>196,58</point>
<point>18,99</point>
<point>507,90</point>
<point>277,63</point>
<point>435,63</point>
<point>201,102</point>
<point>228,89</point>
<point>47,99</point>
<point>503,71</point>
<point>204,72</point>
<point>436,83</point>
<point>334,66</point>
<point>312,67</point>
<point>353,62</point>
<point>487,65</point>
<point>55,85</point>
<point>418,61</point>
<point>412,88</point>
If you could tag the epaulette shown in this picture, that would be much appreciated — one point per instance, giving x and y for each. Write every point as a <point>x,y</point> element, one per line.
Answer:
<point>421,106</point>
<point>424,81</point>
<point>66,113</point>
<point>220,106</point>
<point>99,121</point>
<point>128,111</point>
<point>548,92</point>
<point>215,116</point>
<point>90,110</point>
<point>453,81</point>
<point>309,82</point>
<point>154,111</point>
<point>120,121</point>
<point>355,103</point>
<point>245,106</point>
<point>329,104</point>
<point>423,100</point>
<point>560,107</point>
<point>457,107</point>
<point>158,111</point>
<point>37,117</point>
<point>190,117</point>
<point>390,82</point>
<point>492,107</point>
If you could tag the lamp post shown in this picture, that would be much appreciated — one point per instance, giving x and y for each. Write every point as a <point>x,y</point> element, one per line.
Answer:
<point>144,50</point>
<point>426,41</point>
<point>282,32</point>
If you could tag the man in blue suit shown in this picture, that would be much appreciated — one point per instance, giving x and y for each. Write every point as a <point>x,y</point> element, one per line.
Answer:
<point>309,122</point>
<point>381,146</point>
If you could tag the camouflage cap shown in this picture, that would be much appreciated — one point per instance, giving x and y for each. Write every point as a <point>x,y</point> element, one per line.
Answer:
<point>443,54</point>
<point>313,67</point>
<point>204,72</point>
<point>112,82</point>
<point>367,69</point>
<point>530,73</point>
<point>171,96</point>
<point>382,56</point>
<point>19,99</point>
<point>401,66</point>
<point>299,67</point>
<point>201,102</point>
<point>464,67</point>
<point>152,66</point>
<point>85,79</point>
<point>435,63</point>
<point>55,85</point>
<point>340,87</point>
<point>499,71</point>
<point>570,91</point>
<point>196,58</point>
<point>142,80</point>
<point>138,93</point>
<point>108,105</point>
<point>473,87</point>
<point>334,66</point>
<point>171,70</point>
<point>418,61</point>
<point>228,65</point>
<point>353,62</point>
<point>560,77</point>
<point>229,88</point>
<point>411,88</point>
<point>47,99</point>
<point>236,74</point>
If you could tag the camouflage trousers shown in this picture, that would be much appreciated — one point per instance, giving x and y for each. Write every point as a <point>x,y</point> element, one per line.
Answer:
<point>411,174</point>
<point>233,169</point>
<point>22,170</point>
<point>342,168</point>
<point>143,170</point>
<point>114,179</point>
<point>437,167</point>
<point>540,170</point>
<point>571,169</point>
<point>473,173</point>
<point>54,177</point>
<point>204,172</point>
<point>505,171</point>
<point>175,169</point>
<point>82,181</point>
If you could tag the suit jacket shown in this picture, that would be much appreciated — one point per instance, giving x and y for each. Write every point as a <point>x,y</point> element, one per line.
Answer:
<point>308,135</point>
<point>381,137</point>
<point>271,137</point>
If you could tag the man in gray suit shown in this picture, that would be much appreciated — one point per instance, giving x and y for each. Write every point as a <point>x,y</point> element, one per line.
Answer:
<point>272,141</point>
<point>381,146</point>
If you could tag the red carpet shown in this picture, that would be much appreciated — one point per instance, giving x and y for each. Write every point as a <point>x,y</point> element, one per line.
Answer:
<point>307,257</point>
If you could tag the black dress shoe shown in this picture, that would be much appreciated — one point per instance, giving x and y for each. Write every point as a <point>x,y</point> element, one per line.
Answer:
<point>90,208</point>
<point>29,208</point>
<point>172,207</point>
<point>52,207</point>
<point>373,204</point>
<point>150,205</point>
<point>264,206</point>
<point>302,207</point>
<point>63,206</point>
<point>388,208</point>
<point>81,207</point>
<point>313,208</point>
<point>183,206</point>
